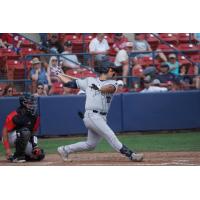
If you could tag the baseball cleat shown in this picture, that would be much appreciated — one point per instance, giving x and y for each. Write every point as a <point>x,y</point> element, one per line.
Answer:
<point>63,154</point>
<point>137,157</point>
<point>19,160</point>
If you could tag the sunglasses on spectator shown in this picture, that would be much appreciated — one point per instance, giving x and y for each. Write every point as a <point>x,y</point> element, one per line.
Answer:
<point>10,90</point>
<point>55,60</point>
<point>40,88</point>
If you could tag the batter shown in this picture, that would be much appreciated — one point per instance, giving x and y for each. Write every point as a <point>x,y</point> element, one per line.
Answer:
<point>99,92</point>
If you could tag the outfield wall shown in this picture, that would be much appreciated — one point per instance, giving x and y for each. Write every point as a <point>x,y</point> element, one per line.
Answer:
<point>128,112</point>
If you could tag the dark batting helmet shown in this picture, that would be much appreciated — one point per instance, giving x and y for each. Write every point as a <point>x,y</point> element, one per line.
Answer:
<point>104,65</point>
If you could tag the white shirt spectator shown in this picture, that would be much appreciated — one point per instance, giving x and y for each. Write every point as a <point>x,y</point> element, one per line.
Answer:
<point>71,57</point>
<point>96,45</point>
<point>141,45</point>
<point>154,89</point>
<point>121,57</point>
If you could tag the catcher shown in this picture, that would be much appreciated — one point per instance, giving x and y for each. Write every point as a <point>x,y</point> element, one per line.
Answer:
<point>19,132</point>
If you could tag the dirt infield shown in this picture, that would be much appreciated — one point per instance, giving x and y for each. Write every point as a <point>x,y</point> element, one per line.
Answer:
<point>115,159</point>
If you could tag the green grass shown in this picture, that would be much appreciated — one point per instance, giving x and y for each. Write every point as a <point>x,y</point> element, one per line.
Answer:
<point>141,142</point>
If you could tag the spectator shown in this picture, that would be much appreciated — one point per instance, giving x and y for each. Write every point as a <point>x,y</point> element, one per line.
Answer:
<point>153,86</point>
<point>165,75</point>
<point>53,44</point>
<point>8,91</point>
<point>66,63</point>
<point>1,91</point>
<point>197,37</point>
<point>122,59</point>
<point>53,69</point>
<point>11,41</point>
<point>40,90</point>
<point>140,45</point>
<point>187,80</point>
<point>99,47</point>
<point>120,87</point>
<point>43,40</point>
<point>39,74</point>
<point>119,43</point>
<point>173,64</point>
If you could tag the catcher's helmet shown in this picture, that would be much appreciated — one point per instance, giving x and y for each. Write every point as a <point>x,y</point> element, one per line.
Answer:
<point>28,101</point>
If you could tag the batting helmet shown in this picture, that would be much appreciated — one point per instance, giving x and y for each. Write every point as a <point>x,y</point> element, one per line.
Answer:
<point>104,65</point>
<point>28,101</point>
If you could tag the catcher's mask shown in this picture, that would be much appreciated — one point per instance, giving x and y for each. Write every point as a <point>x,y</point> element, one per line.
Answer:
<point>28,101</point>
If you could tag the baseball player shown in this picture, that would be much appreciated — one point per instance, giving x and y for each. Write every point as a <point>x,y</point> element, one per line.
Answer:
<point>18,132</point>
<point>99,92</point>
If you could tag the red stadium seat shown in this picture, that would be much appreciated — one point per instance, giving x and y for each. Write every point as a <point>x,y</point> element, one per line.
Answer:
<point>9,54</point>
<point>145,61</point>
<point>57,88</point>
<point>27,43</point>
<point>169,37</point>
<point>195,58</point>
<point>27,51</point>
<point>185,38</point>
<point>152,40</point>
<point>183,60</point>
<point>188,48</point>
<point>167,49</point>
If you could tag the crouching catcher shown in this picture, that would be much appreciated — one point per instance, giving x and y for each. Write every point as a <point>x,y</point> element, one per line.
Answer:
<point>19,132</point>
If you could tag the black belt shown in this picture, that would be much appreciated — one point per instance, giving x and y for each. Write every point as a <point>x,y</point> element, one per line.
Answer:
<point>101,113</point>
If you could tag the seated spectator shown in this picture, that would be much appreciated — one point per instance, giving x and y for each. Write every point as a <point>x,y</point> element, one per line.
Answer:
<point>1,91</point>
<point>8,91</point>
<point>120,87</point>
<point>122,59</point>
<point>40,90</point>
<point>53,69</point>
<point>140,45</point>
<point>153,86</point>
<point>39,74</point>
<point>99,47</point>
<point>67,63</point>
<point>54,44</point>
<point>119,42</point>
<point>11,41</point>
<point>173,64</point>
<point>188,82</point>
<point>165,75</point>
<point>197,37</point>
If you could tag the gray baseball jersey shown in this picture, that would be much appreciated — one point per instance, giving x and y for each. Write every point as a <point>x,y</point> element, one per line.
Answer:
<point>95,100</point>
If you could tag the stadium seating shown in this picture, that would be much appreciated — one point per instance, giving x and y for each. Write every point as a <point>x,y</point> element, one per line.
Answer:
<point>169,38</point>
<point>185,38</point>
<point>9,54</point>
<point>188,48</point>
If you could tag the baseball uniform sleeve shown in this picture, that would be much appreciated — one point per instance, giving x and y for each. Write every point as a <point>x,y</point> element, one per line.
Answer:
<point>82,83</point>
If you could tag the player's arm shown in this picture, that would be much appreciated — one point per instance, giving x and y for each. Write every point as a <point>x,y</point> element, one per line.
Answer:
<point>6,142</point>
<point>106,89</point>
<point>71,84</point>
<point>109,89</point>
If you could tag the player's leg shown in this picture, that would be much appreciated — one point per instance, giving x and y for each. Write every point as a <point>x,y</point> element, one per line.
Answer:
<point>101,127</point>
<point>31,155</point>
<point>88,145</point>
<point>21,140</point>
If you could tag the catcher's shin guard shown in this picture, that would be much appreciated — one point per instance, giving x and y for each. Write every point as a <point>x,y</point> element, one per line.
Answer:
<point>23,136</point>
